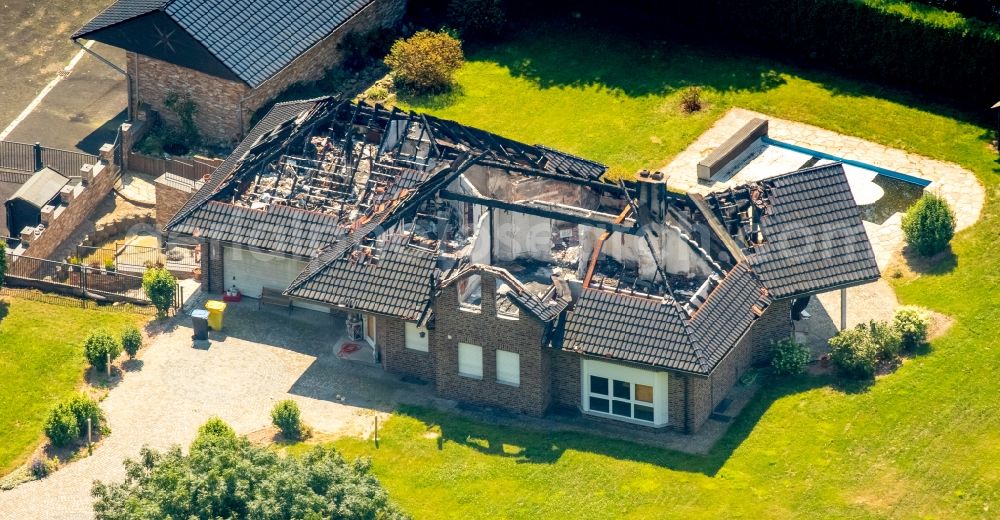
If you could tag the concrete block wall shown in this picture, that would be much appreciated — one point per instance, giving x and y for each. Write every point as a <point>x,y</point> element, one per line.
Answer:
<point>63,224</point>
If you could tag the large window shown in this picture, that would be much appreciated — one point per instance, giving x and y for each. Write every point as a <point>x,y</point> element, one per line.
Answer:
<point>508,368</point>
<point>416,337</point>
<point>470,360</point>
<point>624,392</point>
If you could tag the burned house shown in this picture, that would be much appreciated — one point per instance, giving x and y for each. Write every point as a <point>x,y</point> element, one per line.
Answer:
<point>514,276</point>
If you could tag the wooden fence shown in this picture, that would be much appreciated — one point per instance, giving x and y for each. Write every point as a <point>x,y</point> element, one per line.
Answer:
<point>191,169</point>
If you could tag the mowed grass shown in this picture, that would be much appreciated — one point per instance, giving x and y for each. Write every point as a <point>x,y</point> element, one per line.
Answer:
<point>41,363</point>
<point>923,442</point>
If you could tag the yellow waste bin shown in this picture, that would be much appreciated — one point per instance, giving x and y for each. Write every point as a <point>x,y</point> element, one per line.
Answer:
<point>215,310</point>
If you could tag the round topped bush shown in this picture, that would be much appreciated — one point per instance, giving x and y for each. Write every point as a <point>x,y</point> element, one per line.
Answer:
<point>61,427</point>
<point>286,416</point>
<point>789,357</point>
<point>929,225</point>
<point>131,340</point>
<point>100,344</point>
<point>426,62</point>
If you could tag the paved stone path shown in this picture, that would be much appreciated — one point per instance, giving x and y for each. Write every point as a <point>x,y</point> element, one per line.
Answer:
<point>873,301</point>
<point>267,357</point>
<point>137,188</point>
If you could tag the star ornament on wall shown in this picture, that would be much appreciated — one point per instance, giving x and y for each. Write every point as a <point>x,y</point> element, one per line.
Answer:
<point>164,39</point>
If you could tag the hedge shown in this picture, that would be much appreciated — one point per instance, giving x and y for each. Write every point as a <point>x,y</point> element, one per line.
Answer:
<point>960,62</point>
<point>957,61</point>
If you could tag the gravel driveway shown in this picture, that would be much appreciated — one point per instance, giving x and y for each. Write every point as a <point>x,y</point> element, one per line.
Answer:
<point>268,357</point>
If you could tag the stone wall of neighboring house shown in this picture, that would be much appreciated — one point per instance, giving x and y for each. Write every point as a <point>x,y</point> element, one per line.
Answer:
<point>774,325</point>
<point>225,107</point>
<point>313,63</point>
<point>82,202</point>
<point>218,100</point>
<point>485,329</point>
<point>396,358</point>
<point>172,192</point>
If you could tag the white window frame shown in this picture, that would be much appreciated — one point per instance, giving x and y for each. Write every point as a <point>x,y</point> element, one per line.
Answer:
<point>633,376</point>
<point>507,374</point>
<point>422,343</point>
<point>466,366</point>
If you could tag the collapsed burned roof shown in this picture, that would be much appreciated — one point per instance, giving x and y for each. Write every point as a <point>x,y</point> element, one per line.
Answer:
<point>389,207</point>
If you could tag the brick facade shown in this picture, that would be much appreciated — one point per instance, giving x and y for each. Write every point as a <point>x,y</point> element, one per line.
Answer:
<point>774,325</point>
<point>212,276</point>
<point>225,107</point>
<point>172,192</point>
<point>484,328</point>
<point>218,118</point>
<point>396,358</point>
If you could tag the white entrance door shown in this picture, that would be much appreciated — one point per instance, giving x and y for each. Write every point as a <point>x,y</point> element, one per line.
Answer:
<point>370,329</point>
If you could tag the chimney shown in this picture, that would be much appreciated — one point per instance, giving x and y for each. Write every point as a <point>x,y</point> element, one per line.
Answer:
<point>653,196</point>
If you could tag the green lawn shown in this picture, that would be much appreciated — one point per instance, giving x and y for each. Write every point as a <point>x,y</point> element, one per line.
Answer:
<point>41,362</point>
<point>922,442</point>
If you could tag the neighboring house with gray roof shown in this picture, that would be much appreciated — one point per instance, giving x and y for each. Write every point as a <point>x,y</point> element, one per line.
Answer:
<point>513,276</point>
<point>231,56</point>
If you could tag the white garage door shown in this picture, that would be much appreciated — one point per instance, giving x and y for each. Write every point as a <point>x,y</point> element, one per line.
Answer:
<point>251,271</point>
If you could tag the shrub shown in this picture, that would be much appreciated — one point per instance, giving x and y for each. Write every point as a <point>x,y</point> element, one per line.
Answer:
<point>109,265</point>
<point>477,18</point>
<point>160,287</point>
<point>131,340</point>
<point>285,415</point>
<point>929,225</point>
<point>691,99</point>
<point>100,344</point>
<point>228,477</point>
<point>860,37</point>
<point>885,336</point>
<point>426,62</point>
<point>361,48</point>
<point>61,426</point>
<point>790,357</point>
<point>854,353</point>
<point>43,466</point>
<point>3,261</point>
<point>911,325</point>
<point>83,408</point>
<point>179,141</point>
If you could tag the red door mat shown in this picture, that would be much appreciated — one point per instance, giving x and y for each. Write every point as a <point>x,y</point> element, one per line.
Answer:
<point>348,348</point>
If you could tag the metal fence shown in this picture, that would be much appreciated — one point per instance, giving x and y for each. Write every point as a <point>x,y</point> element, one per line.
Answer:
<point>178,258</point>
<point>193,169</point>
<point>81,280</point>
<point>26,159</point>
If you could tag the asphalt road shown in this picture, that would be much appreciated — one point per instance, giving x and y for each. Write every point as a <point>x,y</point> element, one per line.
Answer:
<point>84,110</point>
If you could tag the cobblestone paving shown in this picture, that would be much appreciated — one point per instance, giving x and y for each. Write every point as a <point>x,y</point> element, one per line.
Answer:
<point>265,357</point>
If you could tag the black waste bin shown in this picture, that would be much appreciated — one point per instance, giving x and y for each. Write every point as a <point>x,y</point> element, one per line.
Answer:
<point>199,321</point>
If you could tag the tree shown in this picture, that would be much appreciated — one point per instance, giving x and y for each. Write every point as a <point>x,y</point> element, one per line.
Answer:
<point>286,416</point>
<point>160,287</point>
<point>425,62</point>
<point>477,18</point>
<point>929,225</point>
<point>224,476</point>
<point>131,340</point>
<point>99,346</point>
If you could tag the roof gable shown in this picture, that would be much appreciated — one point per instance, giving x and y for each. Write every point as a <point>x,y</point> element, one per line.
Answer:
<point>250,39</point>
